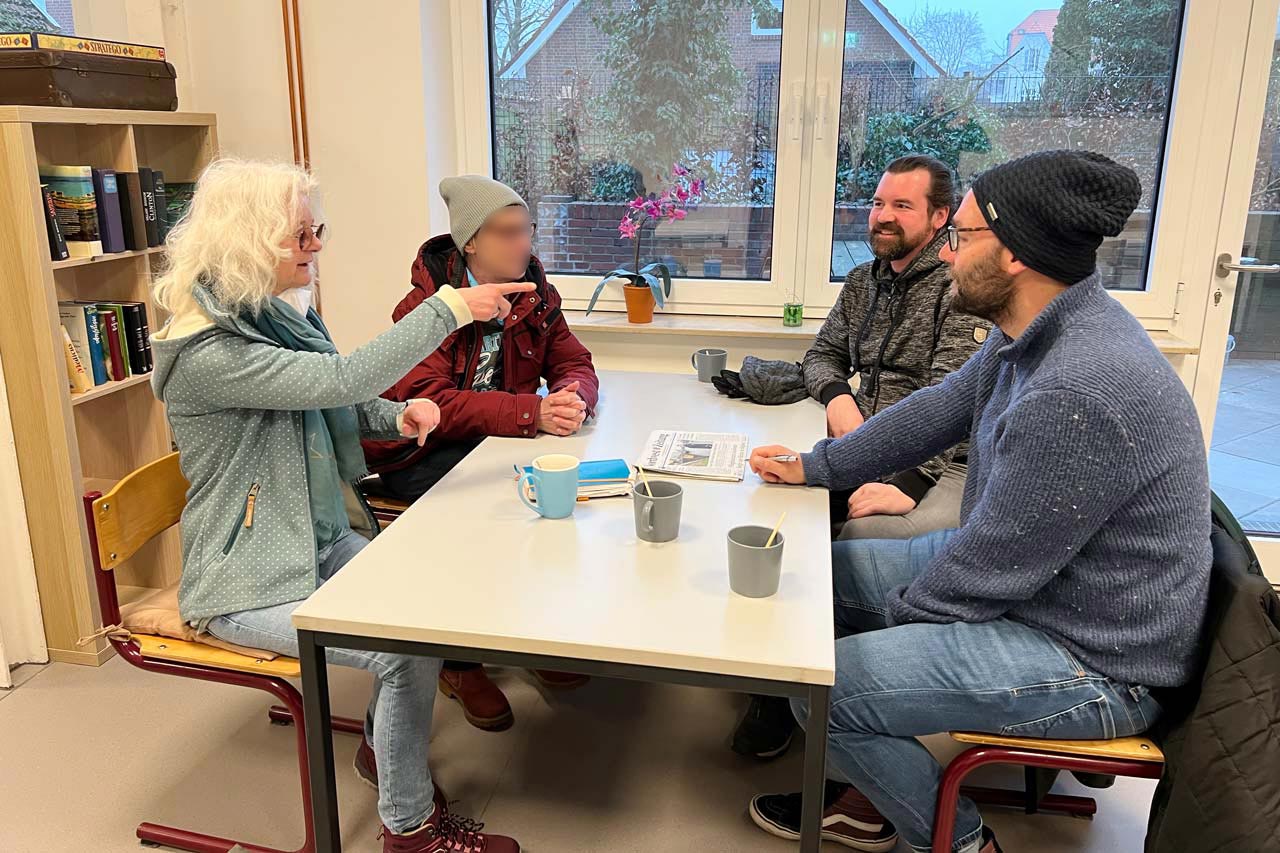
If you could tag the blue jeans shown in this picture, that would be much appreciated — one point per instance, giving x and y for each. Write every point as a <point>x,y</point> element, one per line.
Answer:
<point>404,692</point>
<point>893,684</point>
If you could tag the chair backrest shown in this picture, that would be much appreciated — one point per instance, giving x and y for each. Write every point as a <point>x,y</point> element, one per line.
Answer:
<point>139,508</point>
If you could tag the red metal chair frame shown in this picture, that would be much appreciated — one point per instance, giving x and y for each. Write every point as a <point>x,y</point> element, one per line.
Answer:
<point>290,712</point>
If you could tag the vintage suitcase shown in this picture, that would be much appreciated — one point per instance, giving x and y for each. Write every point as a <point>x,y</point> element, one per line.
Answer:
<point>63,78</point>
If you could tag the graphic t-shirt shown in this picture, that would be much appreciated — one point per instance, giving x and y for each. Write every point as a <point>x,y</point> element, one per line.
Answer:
<point>489,366</point>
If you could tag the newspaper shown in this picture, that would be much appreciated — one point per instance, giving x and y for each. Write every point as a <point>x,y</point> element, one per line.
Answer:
<point>701,455</point>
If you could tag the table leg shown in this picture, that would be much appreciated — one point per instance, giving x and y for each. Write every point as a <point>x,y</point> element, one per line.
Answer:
<point>815,769</point>
<point>319,728</point>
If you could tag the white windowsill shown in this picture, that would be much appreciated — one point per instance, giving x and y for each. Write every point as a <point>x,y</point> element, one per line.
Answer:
<point>611,322</point>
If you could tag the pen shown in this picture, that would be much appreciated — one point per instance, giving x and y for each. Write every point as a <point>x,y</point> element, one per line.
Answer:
<point>784,458</point>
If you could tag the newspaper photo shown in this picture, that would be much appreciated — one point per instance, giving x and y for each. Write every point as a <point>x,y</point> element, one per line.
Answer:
<point>702,455</point>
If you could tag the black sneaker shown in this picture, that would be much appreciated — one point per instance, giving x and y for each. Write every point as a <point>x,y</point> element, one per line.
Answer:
<point>848,818</point>
<point>766,730</point>
<point>989,844</point>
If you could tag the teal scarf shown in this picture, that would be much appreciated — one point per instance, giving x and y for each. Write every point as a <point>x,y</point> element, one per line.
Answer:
<point>334,455</point>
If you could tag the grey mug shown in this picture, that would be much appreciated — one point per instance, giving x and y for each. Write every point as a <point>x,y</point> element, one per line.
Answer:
<point>709,363</point>
<point>754,570</point>
<point>657,514</point>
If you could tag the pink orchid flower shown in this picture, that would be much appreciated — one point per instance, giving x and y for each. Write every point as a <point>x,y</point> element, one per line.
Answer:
<point>637,203</point>
<point>678,214</point>
<point>628,228</point>
<point>679,171</point>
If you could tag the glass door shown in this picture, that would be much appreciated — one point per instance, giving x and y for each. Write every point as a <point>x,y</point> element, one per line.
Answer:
<point>1241,342</point>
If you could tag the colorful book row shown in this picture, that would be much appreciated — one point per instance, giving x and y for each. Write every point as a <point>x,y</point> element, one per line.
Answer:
<point>90,212</point>
<point>110,341</point>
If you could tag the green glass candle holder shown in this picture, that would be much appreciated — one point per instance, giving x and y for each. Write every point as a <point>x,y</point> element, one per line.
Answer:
<point>793,314</point>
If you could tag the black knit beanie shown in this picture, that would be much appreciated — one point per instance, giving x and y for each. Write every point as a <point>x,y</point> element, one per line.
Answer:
<point>1052,208</point>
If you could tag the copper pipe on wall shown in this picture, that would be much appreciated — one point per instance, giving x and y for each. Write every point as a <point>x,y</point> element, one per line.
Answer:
<point>293,99</point>
<point>302,91</point>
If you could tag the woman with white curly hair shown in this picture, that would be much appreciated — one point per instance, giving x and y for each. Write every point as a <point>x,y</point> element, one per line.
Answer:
<point>268,418</point>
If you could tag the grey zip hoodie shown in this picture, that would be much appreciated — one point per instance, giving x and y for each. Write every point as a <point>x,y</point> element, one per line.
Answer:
<point>235,400</point>
<point>897,332</point>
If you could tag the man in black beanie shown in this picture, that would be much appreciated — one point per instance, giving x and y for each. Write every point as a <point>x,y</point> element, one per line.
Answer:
<point>1078,577</point>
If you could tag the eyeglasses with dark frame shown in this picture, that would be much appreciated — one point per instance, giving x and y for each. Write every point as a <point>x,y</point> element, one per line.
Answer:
<point>316,233</point>
<point>953,236</point>
<point>513,232</point>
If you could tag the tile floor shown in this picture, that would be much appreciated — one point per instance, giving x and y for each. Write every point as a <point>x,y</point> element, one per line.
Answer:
<point>616,767</point>
<point>1244,455</point>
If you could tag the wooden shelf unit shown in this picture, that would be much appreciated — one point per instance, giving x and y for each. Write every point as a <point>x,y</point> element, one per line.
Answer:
<point>67,443</point>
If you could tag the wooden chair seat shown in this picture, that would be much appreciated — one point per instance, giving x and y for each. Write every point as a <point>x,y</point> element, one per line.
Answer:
<point>182,651</point>
<point>379,503</point>
<point>1125,748</point>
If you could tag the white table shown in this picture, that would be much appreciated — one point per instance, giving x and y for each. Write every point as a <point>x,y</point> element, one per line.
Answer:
<point>469,573</point>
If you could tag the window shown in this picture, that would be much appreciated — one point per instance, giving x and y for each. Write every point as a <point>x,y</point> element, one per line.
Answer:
<point>594,103</point>
<point>1073,75</point>
<point>590,102</point>
<point>768,24</point>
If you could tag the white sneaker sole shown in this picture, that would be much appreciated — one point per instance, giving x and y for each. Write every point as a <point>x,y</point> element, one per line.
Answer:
<point>790,835</point>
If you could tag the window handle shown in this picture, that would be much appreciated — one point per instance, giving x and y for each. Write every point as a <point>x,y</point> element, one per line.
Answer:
<point>796,119</point>
<point>824,90</point>
<point>1226,267</point>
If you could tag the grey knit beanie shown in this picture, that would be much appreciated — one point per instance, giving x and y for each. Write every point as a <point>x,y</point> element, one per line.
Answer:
<point>471,200</point>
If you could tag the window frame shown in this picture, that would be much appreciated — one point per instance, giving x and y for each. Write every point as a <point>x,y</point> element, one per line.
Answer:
<point>813,44</point>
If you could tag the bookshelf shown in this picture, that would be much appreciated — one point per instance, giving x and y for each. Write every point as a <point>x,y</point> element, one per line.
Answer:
<point>68,443</point>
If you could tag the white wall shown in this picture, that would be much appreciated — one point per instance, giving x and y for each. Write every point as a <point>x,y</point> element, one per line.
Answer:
<point>21,628</point>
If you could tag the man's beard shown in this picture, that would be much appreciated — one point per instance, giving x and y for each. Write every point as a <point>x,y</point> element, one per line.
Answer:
<point>982,288</point>
<point>890,243</point>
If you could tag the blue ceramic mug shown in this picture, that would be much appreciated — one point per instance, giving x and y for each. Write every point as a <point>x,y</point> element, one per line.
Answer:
<point>554,479</point>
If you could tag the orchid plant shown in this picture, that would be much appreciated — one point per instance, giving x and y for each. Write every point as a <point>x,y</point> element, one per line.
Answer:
<point>671,205</point>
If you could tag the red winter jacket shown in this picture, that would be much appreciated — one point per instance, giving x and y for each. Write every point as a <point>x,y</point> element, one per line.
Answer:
<point>536,345</point>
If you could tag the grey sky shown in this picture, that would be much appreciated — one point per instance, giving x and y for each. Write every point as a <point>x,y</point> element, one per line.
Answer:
<point>998,16</point>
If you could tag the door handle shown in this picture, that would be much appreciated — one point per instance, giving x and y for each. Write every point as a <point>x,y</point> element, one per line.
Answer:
<point>1226,267</point>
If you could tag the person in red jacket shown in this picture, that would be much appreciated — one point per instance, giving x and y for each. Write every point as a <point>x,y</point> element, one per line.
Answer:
<point>486,376</point>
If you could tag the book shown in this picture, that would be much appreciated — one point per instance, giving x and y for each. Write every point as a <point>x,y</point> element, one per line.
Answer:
<point>146,337</point>
<point>134,338</point>
<point>57,245</point>
<point>99,357</point>
<point>178,197</point>
<point>81,323</point>
<point>131,215</point>
<point>111,334</point>
<point>700,455</point>
<point>78,379</point>
<point>604,478</point>
<point>162,205</point>
<point>76,207</point>
<point>122,334</point>
<point>147,185</point>
<point>109,220</point>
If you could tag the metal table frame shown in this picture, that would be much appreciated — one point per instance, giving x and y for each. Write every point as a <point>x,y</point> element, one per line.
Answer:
<point>319,726</point>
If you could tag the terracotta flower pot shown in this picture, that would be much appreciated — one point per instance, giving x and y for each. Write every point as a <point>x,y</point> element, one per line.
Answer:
<point>639,303</point>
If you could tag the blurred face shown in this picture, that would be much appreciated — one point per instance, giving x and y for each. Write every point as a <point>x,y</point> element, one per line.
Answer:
<point>900,220</point>
<point>982,283</point>
<point>503,245</point>
<point>302,244</point>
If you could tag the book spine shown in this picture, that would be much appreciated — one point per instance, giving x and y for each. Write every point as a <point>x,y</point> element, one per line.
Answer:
<point>131,216</point>
<point>162,204</point>
<point>76,207</point>
<point>111,331</point>
<point>97,358</point>
<point>146,337</point>
<point>146,180</point>
<point>106,189</point>
<point>57,245</point>
<point>76,376</point>
<point>133,336</point>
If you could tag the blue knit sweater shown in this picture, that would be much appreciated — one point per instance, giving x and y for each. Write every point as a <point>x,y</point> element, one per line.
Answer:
<point>1086,510</point>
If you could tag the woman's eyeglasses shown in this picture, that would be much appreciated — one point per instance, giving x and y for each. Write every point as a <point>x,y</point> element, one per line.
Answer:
<point>953,236</point>
<point>316,233</point>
